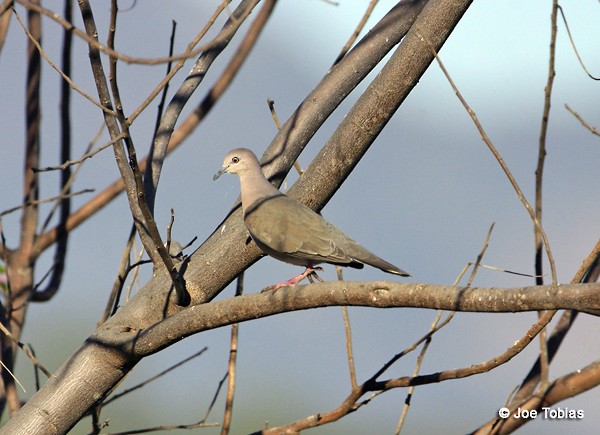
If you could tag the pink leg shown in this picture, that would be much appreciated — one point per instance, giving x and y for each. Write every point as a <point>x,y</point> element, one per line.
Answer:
<point>308,273</point>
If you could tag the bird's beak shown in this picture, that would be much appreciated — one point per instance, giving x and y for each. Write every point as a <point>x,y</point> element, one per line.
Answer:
<point>221,172</point>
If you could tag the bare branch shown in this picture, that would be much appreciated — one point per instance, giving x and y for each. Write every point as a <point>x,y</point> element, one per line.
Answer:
<point>359,28</point>
<point>381,294</point>
<point>155,377</point>
<point>44,201</point>
<point>592,129</point>
<point>562,13</point>
<point>231,365</point>
<point>84,157</point>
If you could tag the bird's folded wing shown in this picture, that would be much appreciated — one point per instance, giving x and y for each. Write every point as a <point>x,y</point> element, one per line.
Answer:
<point>289,228</point>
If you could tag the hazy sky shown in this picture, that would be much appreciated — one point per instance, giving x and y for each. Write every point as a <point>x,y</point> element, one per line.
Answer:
<point>423,198</point>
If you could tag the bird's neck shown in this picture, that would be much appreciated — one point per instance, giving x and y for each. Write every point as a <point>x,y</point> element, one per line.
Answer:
<point>254,186</point>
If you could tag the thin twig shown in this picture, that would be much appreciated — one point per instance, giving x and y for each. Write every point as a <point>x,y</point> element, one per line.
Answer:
<point>26,351</point>
<point>592,129</point>
<point>166,80</point>
<point>84,157</point>
<point>562,13</point>
<point>411,389</point>
<point>113,299</point>
<point>44,201</point>
<point>359,28</point>
<point>215,397</point>
<point>539,176</point>
<point>271,105</point>
<point>512,272</point>
<point>480,256</point>
<point>12,375</point>
<point>348,333</point>
<point>165,89</point>
<point>155,377</point>
<point>231,366</point>
<point>171,427</point>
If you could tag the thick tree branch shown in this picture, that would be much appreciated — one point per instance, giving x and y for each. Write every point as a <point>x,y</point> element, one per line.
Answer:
<point>381,294</point>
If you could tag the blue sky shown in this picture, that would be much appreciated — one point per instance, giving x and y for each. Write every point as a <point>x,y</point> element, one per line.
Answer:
<point>422,198</point>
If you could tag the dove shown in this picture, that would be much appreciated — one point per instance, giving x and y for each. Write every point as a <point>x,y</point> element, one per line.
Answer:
<point>288,230</point>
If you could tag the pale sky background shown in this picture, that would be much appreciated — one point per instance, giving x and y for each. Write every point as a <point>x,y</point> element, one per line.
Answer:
<point>423,198</point>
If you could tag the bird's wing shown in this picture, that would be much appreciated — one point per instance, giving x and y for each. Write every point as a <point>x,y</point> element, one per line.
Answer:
<point>293,231</point>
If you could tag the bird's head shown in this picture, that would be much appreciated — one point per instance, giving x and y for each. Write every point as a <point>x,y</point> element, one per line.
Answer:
<point>237,161</point>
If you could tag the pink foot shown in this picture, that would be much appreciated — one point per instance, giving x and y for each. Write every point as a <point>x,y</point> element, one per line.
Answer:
<point>309,272</point>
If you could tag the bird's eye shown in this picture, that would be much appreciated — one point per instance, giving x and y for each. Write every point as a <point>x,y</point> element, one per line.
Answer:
<point>235,160</point>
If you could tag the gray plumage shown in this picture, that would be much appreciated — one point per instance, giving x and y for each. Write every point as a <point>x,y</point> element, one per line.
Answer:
<point>289,231</point>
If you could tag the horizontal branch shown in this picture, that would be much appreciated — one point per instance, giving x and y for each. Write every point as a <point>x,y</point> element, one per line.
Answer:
<point>380,294</point>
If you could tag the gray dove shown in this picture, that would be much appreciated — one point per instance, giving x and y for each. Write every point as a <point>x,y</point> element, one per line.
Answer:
<point>289,231</point>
